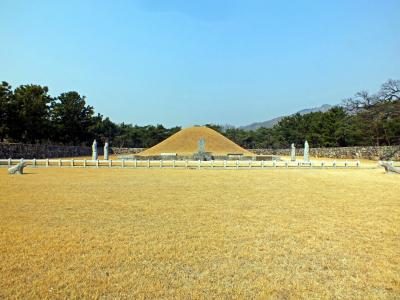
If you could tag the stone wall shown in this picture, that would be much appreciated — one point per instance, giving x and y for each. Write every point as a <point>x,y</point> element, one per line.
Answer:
<point>30,151</point>
<point>119,151</point>
<point>370,152</point>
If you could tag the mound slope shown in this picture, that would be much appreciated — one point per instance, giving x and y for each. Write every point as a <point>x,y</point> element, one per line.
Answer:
<point>185,142</point>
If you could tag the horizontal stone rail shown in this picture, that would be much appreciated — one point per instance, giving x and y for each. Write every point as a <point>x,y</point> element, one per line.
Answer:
<point>192,164</point>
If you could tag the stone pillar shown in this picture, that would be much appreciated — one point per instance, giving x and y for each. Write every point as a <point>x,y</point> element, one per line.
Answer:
<point>94,150</point>
<point>293,153</point>
<point>306,152</point>
<point>106,151</point>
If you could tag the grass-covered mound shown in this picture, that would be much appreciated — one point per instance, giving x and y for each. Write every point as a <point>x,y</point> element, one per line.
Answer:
<point>186,142</point>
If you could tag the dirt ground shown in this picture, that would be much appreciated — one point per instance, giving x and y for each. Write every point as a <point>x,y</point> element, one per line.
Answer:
<point>168,233</point>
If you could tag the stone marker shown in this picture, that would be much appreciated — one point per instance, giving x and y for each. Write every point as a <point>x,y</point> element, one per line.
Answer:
<point>389,168</point>
<point>293,153</point>
<point>202,145</point>
<point>94,150</point>
<point>106,151</point>
<point>306,152</point>
<point>18,169</point>
<point>201,153</point>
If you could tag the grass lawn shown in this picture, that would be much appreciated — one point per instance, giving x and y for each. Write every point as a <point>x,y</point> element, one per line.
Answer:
<point>168,233</point>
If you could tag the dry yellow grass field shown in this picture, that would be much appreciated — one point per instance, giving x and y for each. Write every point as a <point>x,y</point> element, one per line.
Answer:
<point>167,233</point>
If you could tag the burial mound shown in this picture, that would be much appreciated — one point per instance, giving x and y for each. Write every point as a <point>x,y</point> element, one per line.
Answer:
<point>186,142</point>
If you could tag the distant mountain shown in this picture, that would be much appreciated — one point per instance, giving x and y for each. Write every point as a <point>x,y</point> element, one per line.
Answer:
<point>274,121</point>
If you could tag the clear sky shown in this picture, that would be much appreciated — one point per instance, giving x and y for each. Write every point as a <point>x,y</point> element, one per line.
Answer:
<point>181,62</point>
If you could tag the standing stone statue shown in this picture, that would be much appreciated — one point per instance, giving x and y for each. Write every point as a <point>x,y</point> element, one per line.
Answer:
<point>94,150</point>
<point>202,145</point>
<point>293,153</point>
<point>306,152</point>
<point>106,151</point>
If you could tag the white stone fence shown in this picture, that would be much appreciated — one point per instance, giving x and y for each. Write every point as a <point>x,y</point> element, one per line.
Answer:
<point>183,164</point>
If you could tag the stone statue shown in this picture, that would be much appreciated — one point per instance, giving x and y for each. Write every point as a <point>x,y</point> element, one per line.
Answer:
<point>18,169</point>
<point>202,145</point>
<point>106,151</point>
<point>389,168</point>
<point>306,152</point>
<point>293,153</point>
<point>94,150</point>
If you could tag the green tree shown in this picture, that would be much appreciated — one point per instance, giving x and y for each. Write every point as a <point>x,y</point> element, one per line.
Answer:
<point>103,130</point>
<point>72,119</point>
<point>6,96</point>
<point>29,120</point>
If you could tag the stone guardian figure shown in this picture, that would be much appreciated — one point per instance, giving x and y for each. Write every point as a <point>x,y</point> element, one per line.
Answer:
<point>94,150</point>
<point>106,151</point>
<point>306,152</point>
<point>293,153</point>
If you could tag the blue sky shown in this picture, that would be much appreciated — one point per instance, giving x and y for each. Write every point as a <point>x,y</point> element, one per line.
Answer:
<point>182,62</point>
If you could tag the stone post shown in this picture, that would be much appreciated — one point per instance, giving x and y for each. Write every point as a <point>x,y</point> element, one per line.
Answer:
<point>94,150</point>
<point>106,151</point>
<point>293,153</point>
<point>306,152</point>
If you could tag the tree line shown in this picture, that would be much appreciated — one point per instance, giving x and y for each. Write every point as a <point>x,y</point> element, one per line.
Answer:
<point>362,120</point>
<point>29,114</point>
